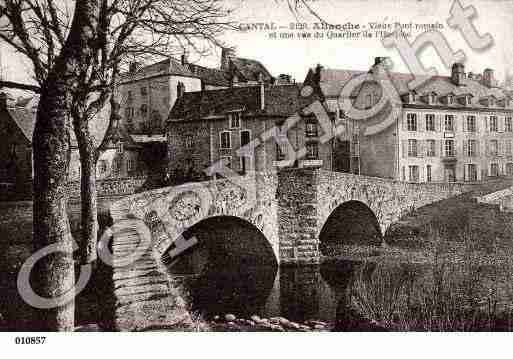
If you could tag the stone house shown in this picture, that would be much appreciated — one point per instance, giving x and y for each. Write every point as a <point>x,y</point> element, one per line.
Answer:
<point>147,93</point>
<point>449,128</point>
<point>16,129</point>
<point>122,155</point>
<point>208,126</point>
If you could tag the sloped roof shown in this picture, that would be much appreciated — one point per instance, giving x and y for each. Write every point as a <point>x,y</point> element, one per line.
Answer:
<point>210,76</point>
<point>24,114</point>
<point>332,81</point>
<point>25,119</point>
<point>279,100</point>
<point>250,69</point>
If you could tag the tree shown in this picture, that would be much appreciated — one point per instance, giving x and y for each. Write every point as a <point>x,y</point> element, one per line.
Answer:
<point>76,60</point>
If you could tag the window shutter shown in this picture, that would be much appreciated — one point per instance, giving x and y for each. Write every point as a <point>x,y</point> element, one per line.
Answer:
<point>438,122</point>
<point>404,121</point>
<point>499,148</point>
<point>465,148</point>
<point>487,128</point>
<point>441,148</point>
<point>464,124</point>
<point>465,173</point>
<point>500,123</point>
<point>478,151</point>
<point>487,148</point>
<point>421,174</point>
<point>405,148</point>
<point>455,123</point>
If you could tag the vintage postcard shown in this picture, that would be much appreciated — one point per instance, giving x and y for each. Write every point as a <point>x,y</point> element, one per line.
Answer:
<point>255,166</point>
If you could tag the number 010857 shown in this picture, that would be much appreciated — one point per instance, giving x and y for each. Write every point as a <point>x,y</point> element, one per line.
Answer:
<point>29,340</point>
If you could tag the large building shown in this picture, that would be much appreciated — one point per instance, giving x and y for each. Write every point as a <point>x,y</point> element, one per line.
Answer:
<point>208,126</point>
<point>450,128</point>
<point>147,94</point>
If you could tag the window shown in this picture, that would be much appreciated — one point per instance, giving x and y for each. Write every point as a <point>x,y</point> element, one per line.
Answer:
<point>432,98</point>
<point>471,172</point>
<point>431,148</point>
<point>471,123</point>
<point>494,126</point>
<point>509,148</point>
<point>144,110</point>
<point>144,91</point>
<point>102,166</point>
<point>129,97</point>
<point>508,124</point>
<point>227,161</point>
<point>509,169</point>
<point>245,137</point>
<point>280,152</point>
<point>429,175</point>
<point>412,148</point>
<point>411,122</point>
<point>368,101</point>
<point>225,140</point>
<point>494,169</point>
<point>450,99</point>
<point>494,147</point>
<point>471,148</point>
<point>430,122</point>
<point>234,119</point>
<point>450,150</point>
<point>116,165</point>
<point>312,150</point>
<point>449,123</point>
<point>119,147</point>
<point>413,173</point>
<point>130,165</point>
<point>188,141</point>
<point>129,113</point>
<point>311,129</point>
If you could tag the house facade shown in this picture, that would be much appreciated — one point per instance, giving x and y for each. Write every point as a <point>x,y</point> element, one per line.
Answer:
<point>16,129</point>
<point>450,128</point>
<point>210,126</point>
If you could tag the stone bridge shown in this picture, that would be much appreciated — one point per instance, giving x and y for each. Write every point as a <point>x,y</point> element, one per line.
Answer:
<point>285,217</point>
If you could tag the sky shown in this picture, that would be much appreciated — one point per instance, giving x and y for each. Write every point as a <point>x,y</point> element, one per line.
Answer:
<point>295,56</point>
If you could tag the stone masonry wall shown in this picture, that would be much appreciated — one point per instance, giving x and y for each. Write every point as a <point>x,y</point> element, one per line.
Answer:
<point>297,216</point>
<point>111,187</point>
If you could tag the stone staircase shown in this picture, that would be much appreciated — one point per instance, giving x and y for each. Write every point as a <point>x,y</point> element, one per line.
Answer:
<point>144,297</point>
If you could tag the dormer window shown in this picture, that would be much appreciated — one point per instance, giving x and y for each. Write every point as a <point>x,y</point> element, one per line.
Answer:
<point>450,99</point>
<point>491,102</point>
<point>234,119</point>
<point>431,98</point>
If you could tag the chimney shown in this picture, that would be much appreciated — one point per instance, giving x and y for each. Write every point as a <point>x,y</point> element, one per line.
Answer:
<point>284,79</point>
<point>488,78</point>
<point>180,90</point>
<point>457,73</point>
<point>381,66</point>
<point>226,55</point>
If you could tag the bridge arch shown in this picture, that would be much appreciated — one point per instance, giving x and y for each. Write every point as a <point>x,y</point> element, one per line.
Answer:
<point>352,222</point>
<point>224,240</point>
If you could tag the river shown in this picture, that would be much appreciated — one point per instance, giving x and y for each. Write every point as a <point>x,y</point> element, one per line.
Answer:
<point>351,294</point>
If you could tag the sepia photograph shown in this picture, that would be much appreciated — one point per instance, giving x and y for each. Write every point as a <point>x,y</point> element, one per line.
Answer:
<point>313,166</point>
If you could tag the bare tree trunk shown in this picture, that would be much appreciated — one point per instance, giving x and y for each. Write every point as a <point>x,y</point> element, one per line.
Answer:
<point>54,274</point>
<point>88,195</point>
